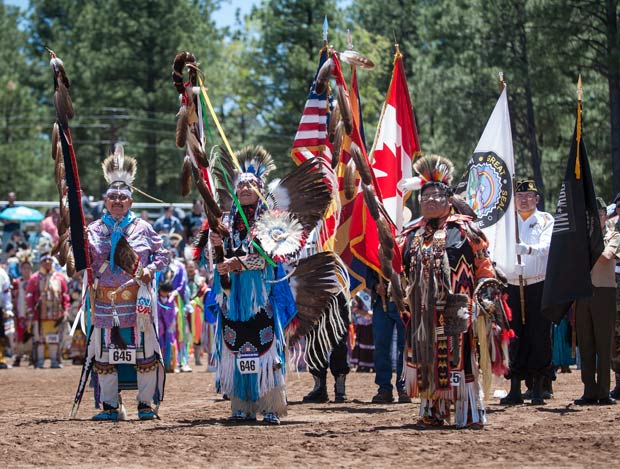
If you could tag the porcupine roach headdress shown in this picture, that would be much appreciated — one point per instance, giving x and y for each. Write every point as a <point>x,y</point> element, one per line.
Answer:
<point>119,170</point>
<point>432,169</point>
<point>254,160</point>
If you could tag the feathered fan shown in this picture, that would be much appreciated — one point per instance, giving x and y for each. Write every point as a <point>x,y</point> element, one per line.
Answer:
<point>279,232</point>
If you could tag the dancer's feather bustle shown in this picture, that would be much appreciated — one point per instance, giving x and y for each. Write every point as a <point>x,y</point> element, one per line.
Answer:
<point>304,192</point>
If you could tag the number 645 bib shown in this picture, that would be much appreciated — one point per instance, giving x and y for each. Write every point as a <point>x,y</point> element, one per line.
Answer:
<point>119,356</point>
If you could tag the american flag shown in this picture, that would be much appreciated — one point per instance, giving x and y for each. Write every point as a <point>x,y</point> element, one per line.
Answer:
<point>311,137</point>
<point>311,142</point>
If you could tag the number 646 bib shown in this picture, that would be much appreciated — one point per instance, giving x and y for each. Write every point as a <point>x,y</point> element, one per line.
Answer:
<point>247,363</point>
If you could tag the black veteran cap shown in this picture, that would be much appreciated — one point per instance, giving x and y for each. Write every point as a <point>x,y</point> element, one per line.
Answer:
<point>526,185</point>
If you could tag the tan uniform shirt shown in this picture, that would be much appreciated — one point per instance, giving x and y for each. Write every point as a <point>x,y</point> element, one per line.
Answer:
<point>603,272</point>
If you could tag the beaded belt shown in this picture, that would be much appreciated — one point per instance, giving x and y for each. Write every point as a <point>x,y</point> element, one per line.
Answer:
<point>126,295</point>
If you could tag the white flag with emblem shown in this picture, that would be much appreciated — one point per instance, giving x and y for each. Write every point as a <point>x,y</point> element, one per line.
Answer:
<point>490,188</point>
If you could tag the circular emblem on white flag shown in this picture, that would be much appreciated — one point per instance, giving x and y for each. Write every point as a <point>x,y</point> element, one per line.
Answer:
<point>489,187</point>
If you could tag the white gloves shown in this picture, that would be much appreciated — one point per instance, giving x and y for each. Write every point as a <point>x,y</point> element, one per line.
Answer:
<point>519,269</point>
<point>523,249</point>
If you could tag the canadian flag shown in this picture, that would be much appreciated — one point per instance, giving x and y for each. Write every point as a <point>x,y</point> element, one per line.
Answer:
<point>396,143</point>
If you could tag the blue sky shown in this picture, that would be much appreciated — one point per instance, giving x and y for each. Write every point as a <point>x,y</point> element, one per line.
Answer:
<point>225,16</point>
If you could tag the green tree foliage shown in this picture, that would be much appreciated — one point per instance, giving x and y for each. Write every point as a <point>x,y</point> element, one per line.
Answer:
<point>119,56</point>
<point>23,157</point>
<point>454,51</point>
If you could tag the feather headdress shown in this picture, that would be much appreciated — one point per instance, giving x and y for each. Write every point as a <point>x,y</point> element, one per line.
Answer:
<point>119,168</point>
<point>255,163</point>
<point>432,169</point>
<point>254,159</point>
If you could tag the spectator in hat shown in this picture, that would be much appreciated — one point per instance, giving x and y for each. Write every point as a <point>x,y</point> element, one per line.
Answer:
<point>595,317</point>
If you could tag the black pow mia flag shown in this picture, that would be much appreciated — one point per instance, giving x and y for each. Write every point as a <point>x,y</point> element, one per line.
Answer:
<point>577,239</point>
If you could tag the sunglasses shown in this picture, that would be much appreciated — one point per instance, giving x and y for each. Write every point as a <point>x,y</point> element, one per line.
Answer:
<point>118,197</point>
<point>436,196</point>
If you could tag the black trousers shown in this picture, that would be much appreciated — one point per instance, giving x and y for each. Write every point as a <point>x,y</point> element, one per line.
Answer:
<point>338,360</point>
<point>615,351</point>
<point>531,350</point>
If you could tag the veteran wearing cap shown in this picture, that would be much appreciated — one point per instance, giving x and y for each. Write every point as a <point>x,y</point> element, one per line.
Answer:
<point>531,349</point>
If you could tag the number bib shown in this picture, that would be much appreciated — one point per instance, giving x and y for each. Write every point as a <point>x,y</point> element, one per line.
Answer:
<point>455,378</point>
<point>247,363</point>
<point>52,338</point>
<point>119,356</point>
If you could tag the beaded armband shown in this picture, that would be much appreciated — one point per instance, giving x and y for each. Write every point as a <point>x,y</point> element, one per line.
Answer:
<point>252,262</point>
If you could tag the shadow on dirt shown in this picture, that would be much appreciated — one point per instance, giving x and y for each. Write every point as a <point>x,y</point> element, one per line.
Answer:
<point>194,423</point>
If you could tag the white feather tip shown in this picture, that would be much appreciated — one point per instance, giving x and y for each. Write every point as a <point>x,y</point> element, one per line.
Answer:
<point>410,184</point>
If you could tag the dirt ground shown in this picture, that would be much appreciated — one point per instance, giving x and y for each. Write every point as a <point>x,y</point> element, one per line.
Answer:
<point>193,431</point>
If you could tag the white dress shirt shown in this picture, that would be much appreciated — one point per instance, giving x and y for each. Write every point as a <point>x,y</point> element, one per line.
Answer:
<point>535,231</point>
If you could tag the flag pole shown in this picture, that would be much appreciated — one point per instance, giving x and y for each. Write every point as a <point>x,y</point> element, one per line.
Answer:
<point>502,85</point>
<point>578,176</point>
<point>579,99</point>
